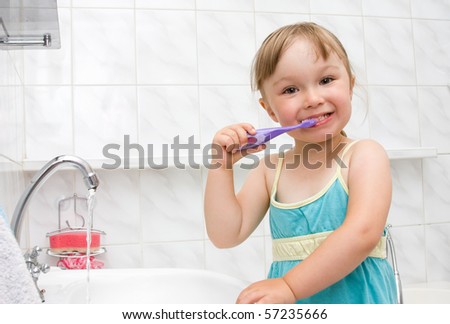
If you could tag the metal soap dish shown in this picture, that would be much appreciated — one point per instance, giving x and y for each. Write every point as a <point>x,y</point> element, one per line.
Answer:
<point>75,254</point>
<point>72,231</point>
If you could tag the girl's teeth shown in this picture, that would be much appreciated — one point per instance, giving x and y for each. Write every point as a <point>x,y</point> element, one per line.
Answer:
<point>320,118</point>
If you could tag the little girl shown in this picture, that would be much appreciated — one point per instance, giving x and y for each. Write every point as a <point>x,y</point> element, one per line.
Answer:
<point>328,196</point>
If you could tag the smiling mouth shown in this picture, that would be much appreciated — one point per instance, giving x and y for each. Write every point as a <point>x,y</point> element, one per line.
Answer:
<point>319,118</point>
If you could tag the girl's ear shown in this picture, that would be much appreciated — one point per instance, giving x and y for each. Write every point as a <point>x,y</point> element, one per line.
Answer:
<point>268,110</point>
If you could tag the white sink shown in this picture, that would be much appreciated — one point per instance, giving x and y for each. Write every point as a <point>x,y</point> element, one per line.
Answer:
<point>437,292</point>
<point>143,286</point>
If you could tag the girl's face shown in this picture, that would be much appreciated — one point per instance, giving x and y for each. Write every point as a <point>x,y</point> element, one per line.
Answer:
<point>306,86</point>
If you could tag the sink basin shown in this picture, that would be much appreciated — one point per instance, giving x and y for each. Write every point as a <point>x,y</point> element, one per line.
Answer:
<point>143,286</point>
<point>427,293</point>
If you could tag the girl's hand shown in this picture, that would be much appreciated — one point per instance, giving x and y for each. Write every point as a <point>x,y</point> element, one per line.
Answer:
<point>228,140</point>
<point>270,291</point>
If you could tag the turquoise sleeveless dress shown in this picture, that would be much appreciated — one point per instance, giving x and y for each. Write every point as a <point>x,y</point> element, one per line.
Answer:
<point>372,282</point>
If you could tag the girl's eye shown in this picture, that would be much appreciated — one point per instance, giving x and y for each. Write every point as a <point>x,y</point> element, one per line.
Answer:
<point>289,90</point>
<point>326,80</point>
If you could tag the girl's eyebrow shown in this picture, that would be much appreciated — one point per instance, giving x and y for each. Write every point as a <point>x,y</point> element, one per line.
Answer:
<point>330,66</point>
<point>283,79</point>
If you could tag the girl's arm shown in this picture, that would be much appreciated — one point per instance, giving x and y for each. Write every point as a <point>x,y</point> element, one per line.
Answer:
<point>231,218</point>
<point>369,184</point>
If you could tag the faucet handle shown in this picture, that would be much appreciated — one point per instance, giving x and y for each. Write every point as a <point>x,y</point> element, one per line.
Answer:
<point>35,252</point>
<point>44,268</point>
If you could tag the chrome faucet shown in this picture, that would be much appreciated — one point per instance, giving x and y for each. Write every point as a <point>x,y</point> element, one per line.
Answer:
<point>91,181</point>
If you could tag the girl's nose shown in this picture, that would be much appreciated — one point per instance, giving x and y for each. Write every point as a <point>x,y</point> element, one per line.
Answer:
<point>313,98</point>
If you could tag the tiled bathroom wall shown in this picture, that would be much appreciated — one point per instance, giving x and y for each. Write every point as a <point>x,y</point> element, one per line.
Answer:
<point>11,128</point>
<point>157,71</point>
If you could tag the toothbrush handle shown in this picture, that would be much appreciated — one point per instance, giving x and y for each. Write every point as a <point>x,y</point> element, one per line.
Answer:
<point>254,141</point>
<point>266,134</point>
<point>260,137</point>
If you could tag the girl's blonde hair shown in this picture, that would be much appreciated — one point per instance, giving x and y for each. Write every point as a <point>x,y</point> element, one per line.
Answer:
<point>276,43</point>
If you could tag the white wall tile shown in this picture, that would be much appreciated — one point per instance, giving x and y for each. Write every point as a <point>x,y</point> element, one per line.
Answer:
<point>246,261</point>
<point>53,66</point>
<point>432,50</point>
<point>64,3</point>
<point>165,4</point>
<point>9,122</point>
<point>116,208</point>
<point>407,195</point>
<point>19,102</point>
<point>434,117</point>
<point>337,7</point>
<point>389,51</point>
<point>166,47</point>
<point>436,9</point>
<point>394,116</point>
<point>11,134</point>
<point>42,210</point>
<point>436,175</point>
<point>188,254</point>
<point>11,106</point>
<point>102,4</point>
<point>103,115</point>
<point>226,45</point>
<point>287,6</point>
<point>121,256</point>
<point>11,185</point>
<point>171,205</point>
<point>16,67</point>
<point>4,68</point>
<point>410,252</point>
<point>104,42</point>
<point>438,250</point>
<point>387,8</point>
<point>166,112</point>
<point>48,119</point>
<point>266,23</point>
<point>233,5</point>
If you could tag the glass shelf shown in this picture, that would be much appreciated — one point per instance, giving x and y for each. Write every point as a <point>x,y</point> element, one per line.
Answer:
<point>29,24</point>
<point>134,163</point>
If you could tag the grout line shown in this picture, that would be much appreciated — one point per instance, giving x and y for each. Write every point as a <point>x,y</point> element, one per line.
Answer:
<point>202,172</point>
<point>254,11</point>
<point>72,101</point>
<point>366,87</point>
<point>139,174</point>
<point>17,163</point>
<point>212,85</point>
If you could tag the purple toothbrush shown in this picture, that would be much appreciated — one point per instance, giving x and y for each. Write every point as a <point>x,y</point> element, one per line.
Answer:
<point>264,135</point>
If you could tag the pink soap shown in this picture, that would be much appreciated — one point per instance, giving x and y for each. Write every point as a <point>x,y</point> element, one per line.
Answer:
<point>74,241</point>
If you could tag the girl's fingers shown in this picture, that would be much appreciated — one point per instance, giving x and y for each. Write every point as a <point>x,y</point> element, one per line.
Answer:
<point>231,140</point>
<point>249,297</point>
<point>235,136</point>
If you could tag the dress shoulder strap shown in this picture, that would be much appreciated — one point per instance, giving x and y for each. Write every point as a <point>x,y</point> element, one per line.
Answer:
<point>348,146</point>
<point>344,152</point>
<point>339,166</point>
